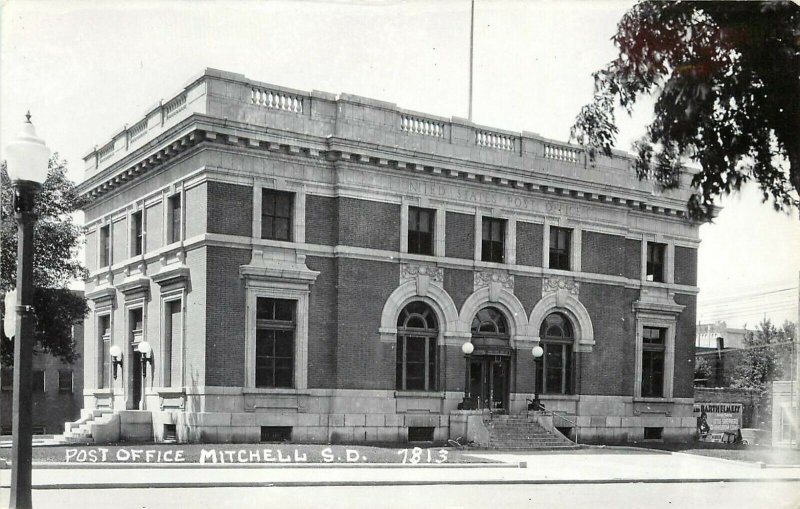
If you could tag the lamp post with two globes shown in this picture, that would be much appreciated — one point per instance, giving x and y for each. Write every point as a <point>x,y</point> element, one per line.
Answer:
<point>27,157</point>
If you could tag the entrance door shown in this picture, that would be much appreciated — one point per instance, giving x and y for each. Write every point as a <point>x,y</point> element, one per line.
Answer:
<point>489,382</point>
<point>136,380</point>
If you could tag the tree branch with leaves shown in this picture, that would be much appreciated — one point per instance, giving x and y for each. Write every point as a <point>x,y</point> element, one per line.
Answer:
<point>57,240</point>
<point>726,81</point>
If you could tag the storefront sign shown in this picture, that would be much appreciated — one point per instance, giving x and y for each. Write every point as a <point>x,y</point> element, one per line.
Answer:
<point>719,417</point>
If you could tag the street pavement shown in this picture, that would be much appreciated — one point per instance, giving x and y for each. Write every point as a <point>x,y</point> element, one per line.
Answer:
<point>519,480</point>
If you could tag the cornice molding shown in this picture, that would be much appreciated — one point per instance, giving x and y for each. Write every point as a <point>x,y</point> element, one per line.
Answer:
<point>200,129</point>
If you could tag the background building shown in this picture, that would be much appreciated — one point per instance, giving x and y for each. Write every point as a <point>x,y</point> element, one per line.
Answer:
<point>310,265</point>
<point>57,391</point>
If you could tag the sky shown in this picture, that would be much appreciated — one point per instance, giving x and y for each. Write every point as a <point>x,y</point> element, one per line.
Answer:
<point>86,68</point>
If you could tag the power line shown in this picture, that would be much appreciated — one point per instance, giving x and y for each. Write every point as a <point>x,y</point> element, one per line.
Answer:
<point>756,293</point>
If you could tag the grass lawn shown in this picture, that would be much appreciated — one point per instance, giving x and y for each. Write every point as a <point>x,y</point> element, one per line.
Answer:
<point>265,453</point>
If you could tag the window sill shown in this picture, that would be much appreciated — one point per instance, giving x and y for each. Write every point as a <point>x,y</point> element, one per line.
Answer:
<point>419,394</point>
<point>277,391</point>
<point>642,399</point>
<point>567,397</point>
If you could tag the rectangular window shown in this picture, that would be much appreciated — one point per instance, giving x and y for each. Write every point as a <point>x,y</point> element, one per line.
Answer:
<point>104,341</point>
<point>275,326</point>
<point>420,230</point>
<point>37,384</point>
<point>493,234</point>
<point>7,379</point>
<point>136,234</point>
<point>105,246</point>
<point>172,332</point>
<point>174,218</point>
<point>557,368</point>
<point>787,421</point>
<point>653,346</point>
<point>560,247</point>
<point>655,262</point>
<point>65,380</point>
<point>136,320</point>
<point>276,215</point>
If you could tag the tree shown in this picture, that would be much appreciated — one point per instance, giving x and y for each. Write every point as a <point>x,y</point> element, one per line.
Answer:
<point>55,262</point>
<point>724,76</point>
<point>767,357</point>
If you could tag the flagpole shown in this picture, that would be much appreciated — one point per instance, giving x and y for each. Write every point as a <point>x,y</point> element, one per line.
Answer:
<point>471,38</point>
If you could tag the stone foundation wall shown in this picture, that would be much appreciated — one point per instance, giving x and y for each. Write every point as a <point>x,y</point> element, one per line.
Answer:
<point>214,414</point>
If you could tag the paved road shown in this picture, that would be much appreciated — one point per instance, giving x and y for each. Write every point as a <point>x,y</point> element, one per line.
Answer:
<point>547,480</point>
<point>617,496</point>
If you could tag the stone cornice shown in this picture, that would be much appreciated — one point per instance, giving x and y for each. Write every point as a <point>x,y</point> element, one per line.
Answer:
<point>203,130</point>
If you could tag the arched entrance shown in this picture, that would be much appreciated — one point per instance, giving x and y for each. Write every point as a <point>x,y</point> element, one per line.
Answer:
<point>490,362</point>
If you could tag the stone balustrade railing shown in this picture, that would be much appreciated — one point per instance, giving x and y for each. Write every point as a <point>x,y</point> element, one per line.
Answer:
<point>276,100</point>
<point>424,126</point>
<point>562,153</point>
<point>494,140</point>
<point>175,105</point>
<point>320,115</point>
<point>105,152</point>
<point>137,131</point>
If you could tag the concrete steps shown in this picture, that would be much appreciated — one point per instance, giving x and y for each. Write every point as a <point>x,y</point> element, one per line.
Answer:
<point>80,431</point>
<point>520,432</point>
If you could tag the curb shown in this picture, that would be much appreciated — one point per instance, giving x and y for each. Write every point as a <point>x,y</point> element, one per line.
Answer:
<point>320,484</point>
<point>122,466</point>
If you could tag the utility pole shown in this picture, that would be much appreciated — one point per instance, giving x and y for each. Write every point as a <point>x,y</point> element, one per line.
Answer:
<point>796,381</point>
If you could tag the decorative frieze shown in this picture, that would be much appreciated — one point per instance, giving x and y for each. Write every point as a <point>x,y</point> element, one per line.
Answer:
<point>554,284</point>
<point>496,280</point>
<point>413,270</point>
<point>423,275</point>
<point>487,277</point>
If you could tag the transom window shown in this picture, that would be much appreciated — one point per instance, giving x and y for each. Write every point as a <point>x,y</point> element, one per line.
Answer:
<point>655,262</point>
<point>420,230</point>
<point>559,247</point>
<point>556,364</point>
<point>276,215</point>
<point>417,332</point>
<point>653,348</point>
<point>275,327</point>
<point>493,239</point>
<point>490,321</point>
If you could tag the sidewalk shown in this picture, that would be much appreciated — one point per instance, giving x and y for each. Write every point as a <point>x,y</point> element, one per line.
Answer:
<point>513,469</point>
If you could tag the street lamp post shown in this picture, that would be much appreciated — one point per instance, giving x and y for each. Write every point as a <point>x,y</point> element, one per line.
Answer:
<point>147,356</point>
<point>27,157</point>
<point>537,352</point>
<point>467,348</point>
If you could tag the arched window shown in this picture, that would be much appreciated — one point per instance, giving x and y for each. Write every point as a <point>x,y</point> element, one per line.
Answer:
<point>417,331</point>
<point>490,322</point>
<point>556,366</point>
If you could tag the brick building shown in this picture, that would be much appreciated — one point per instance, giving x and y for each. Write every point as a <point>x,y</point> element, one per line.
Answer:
<point>311,264</point>
<point>57,391</point>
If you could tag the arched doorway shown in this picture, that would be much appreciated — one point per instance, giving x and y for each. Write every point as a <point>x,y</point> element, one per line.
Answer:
<point>490,363</point>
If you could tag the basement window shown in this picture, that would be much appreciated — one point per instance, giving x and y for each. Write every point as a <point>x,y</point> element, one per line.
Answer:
<point>420,433</point>
<point>653,433</point>
<point>170,433</point>
<point>276,433</point>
